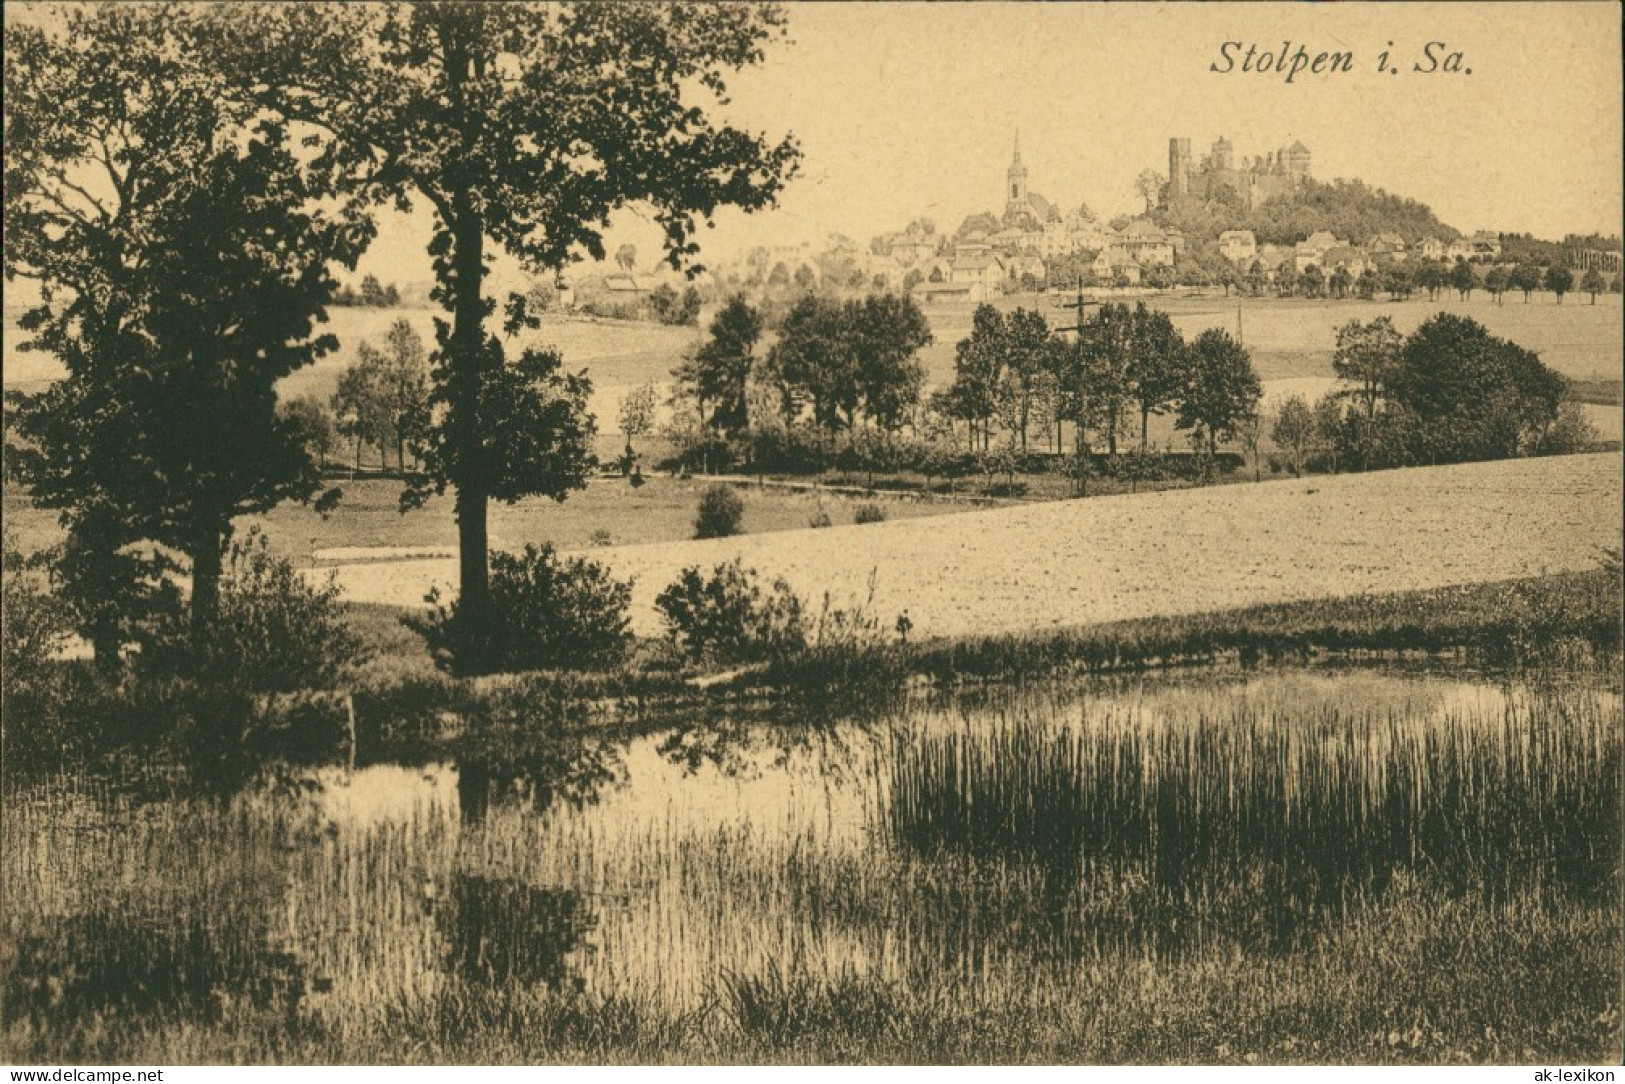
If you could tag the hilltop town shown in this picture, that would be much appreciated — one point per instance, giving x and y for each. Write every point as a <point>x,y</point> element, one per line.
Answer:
<point>1255,222</point>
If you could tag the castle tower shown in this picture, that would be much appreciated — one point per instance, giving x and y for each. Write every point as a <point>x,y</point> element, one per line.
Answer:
<point>1296,160</point>
<point>1179,167</point>
<point>1223,154</point>
<point>1017,176</point>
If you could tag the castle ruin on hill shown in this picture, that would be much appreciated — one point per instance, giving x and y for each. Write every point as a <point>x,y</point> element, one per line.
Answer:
<point>1250,180</point>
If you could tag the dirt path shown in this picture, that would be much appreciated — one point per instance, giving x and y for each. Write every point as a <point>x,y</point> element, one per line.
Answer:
<point>1073,563</point>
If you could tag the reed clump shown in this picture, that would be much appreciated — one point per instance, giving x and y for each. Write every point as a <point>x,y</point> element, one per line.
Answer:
<point>1294,818</point>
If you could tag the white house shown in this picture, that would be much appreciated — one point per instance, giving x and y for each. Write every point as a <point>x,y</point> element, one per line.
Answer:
<point>1238,246</point>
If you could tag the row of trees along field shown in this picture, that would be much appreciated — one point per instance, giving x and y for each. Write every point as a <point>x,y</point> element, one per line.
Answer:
<point>1399,281</point>
<point>1431,278</point>
<point>846,366</point>
<point>1013,369</point>
<point>845,373</point>
<point>181,180</point>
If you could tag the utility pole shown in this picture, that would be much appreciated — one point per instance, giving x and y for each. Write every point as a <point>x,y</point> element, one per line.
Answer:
<point>1080,305</point>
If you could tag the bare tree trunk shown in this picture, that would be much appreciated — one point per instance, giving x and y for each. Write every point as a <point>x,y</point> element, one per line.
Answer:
<point>473,495</point>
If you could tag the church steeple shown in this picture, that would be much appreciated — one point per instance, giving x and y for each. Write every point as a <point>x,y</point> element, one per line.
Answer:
<point>1017,174</point>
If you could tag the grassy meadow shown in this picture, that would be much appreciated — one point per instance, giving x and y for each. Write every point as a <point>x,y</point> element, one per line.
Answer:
<point>608,512</point>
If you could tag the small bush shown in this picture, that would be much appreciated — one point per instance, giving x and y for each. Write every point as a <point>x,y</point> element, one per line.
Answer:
<point>546,613</point>
<point>1138,465</point>
<point>797,449</point>
<point>721,510</point>
<point>869,513</point>
<point>276,632</point>
<point>846,657</point>
<point>1572,432</point>
<point>819,518</point>
<point>33,623</point>
<point>727,617</point>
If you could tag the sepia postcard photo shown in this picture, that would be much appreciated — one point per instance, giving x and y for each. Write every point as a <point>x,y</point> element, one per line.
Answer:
<point>811,533</point>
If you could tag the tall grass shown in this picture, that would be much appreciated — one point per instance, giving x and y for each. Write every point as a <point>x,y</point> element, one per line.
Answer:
<point>936,886</point>
<point>1308,814</point>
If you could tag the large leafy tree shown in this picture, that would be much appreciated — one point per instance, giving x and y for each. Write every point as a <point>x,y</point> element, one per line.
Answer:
<point>1476,396</point>
<point>888,331</point>
<point>360,402</point>
<point>523,126</point>
<point>719,372</point>
<point>1559,280</point>
<point>814,365</point>
<point>978,373</point>
<point>182,244</point>
<point>1365,357</point>
<point>850,359</point>
<point>1525,277</point>
<point>405,382</point>
<point>1221,388</point>
<point>1154,370</point>
<point>1108,354</point>
<point>1462,279</point>
<point>1294,429</point>
<point>1026,346</point>
<point>1593,283</point>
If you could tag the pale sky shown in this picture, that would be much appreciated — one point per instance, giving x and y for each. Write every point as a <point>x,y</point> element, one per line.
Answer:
<point>905,109</point>
<point>908,109</point>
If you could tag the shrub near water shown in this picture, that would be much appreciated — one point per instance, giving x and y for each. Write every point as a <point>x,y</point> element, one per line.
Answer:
<point>275,633</point>
<point>546,612</point>
<point>728,617</point>
<point>33,624</point>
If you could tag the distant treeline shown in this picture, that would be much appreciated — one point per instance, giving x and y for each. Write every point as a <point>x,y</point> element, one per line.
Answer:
<point>372,295</point>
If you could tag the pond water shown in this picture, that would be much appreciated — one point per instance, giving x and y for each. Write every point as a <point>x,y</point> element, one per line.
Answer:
<point>988,837</point>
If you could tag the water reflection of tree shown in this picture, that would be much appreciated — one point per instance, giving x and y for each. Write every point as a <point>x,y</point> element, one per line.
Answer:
<point>500,931</point>
<point>520,748</point>
<point>536,773</point>
<point>739,740</point>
